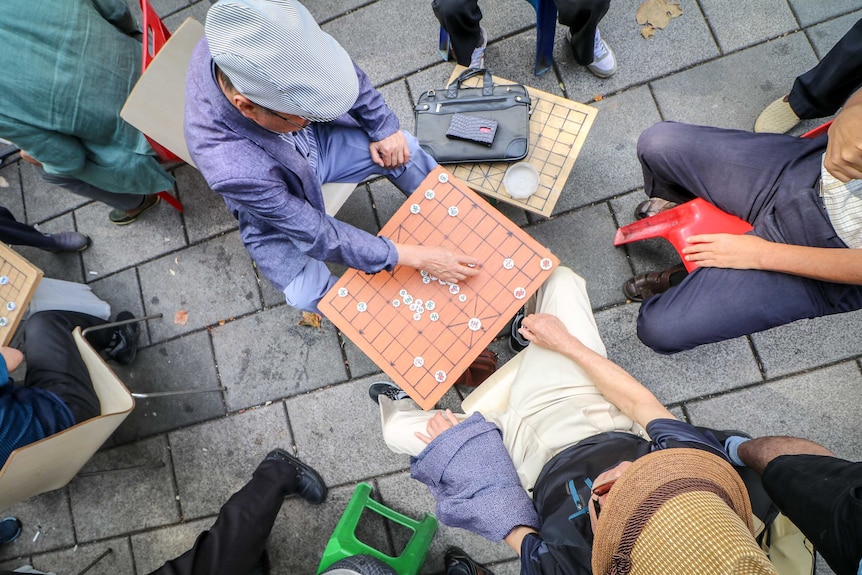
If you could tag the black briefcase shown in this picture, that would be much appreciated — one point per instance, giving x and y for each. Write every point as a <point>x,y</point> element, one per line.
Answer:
<point>485,124</point>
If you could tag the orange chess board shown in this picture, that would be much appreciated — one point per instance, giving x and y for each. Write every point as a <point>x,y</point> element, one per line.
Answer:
<point>421,331</point>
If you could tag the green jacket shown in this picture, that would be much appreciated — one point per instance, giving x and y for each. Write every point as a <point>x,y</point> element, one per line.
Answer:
<point>68,66</point>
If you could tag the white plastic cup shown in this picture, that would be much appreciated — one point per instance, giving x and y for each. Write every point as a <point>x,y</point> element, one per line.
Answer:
<point>521,180</point>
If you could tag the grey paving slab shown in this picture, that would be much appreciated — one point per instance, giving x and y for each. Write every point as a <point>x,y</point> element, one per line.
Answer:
<point>197,11</point>
<point>123,292</point>
<point>166,7</point>
<point>358,211</point>
<point>327,426</point>
<point>211,281</point>
<point>267,356</point>
<point>13,564</point>
<point>325,10</point>
<point>685,42</point>
<point>608,163</point>
<point>48,515</point>
<point>124,501</point>
<point>204,211</point>
<point>61,266</point>
<point>215,459</point>
<point>646,255</point>
<point>156,232</point>
<point>386,199</point>
<point>732,91</point>
<point>10,191</point>
<point>413,499</point>
<point>514,58</point>
<point>820,405</point>
<point>359,364</point>
<point>302,530</point>
<point>184,365</point>
<point>704,370</point>
<point>153,548</point>
<point>583,240</point>
<point>433,78</point>
<point>824,36</point>
<point>760,20</point>
<point>75,560</point>
<point>810,12</point>
<point>808,343</point>
<point>44,201</point>
<point>399,101</point>
<point>821,567</point>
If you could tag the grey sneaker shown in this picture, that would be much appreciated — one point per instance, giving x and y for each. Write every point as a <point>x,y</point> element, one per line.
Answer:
<point>604,63</point>
<point>390,390</point>
<point>69,242</point>
<point>477,58</point>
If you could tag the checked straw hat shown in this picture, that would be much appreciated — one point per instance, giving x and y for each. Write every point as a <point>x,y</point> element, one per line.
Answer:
<point>277,56</point>
<point>680,511</point>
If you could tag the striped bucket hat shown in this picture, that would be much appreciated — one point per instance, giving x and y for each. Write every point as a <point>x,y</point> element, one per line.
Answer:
<point>277,56</point>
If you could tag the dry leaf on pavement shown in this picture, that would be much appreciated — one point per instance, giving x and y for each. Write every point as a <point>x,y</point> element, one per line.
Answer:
<point>181,317</point>
<point>310,319</point>
<point>656,13</point>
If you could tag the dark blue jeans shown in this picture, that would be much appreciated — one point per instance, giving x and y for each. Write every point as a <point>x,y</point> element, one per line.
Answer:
<point>766,179</point>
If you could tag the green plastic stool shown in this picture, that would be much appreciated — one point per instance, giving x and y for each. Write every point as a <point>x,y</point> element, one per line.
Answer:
<point>344,543</point>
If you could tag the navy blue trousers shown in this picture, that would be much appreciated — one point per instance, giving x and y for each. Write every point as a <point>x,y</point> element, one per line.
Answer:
<point>822,90</point>
<point>766,179</point>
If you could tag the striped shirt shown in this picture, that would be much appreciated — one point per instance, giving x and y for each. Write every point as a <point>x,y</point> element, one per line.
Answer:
<point>843,203</point>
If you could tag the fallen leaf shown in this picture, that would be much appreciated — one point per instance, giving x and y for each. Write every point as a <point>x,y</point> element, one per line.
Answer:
<point>598,98</point>
<point>173,273</point>
<point>657,12</point>
<point>181,317</point>
<point>4,183</point>
<point>648,31</point>
<point>221,322</point>
<point>310,319</point>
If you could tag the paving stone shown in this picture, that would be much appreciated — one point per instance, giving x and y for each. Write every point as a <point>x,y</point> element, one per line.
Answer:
<point>13,564</point>
<point>613,138</point>
<point>10,188</point>
<point>358,211</point>
<point>820,405</point>
<point>359,364</point>
<point>186,364</point>
<point>821,567</point>
<point>328,421</point>
<point>215,459</point>
<point>433,78</point>
<point>166,7</point>
<point>302,530</point>
<point>386,199</point>
<point>61,266</point>
<point>123,292</point>
<point>204,211</point>
<point>197,11</point>
<point>308,358</point>
<point>43,201</point>
<point>646,255</point>
<point>685,42</point>
<point>808,343</point>
<point>152,549</point>
<point>702,371</point>
<point>75,560</point>
<point>810,12</point>
<point>763,19</point>
<point>326,10</point>
<point>514,58</point>
<point>156,232</point>
<point>512,567</point>
<point>46,514</point>
<point>412,498</point>
<point>824,36</point>
<point>732,91</point>
<point>583,240</point>
<point>122,501</point>
<point>398,99</point>
<point>212,281</point>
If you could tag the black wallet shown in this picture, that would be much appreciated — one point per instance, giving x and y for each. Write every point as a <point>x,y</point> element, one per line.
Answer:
<point>472,129</point>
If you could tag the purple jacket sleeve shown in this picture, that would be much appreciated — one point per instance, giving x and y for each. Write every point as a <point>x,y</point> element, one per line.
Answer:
<point>472,477</point>
<point>371,112</point>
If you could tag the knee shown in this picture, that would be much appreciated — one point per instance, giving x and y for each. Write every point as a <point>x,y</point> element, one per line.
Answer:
<point>660,331</point>
<point>45,321</point>
<point>656,139</point>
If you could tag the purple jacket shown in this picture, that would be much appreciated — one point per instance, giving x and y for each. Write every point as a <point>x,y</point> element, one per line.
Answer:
<point>269,186</point>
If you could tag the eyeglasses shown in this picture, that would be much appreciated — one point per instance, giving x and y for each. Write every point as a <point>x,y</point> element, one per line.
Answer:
<point>302,126</point>
<point>598,491</point>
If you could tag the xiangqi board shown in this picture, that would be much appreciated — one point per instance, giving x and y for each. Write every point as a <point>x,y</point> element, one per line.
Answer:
<point>18,279</point>
<point>420,330</point>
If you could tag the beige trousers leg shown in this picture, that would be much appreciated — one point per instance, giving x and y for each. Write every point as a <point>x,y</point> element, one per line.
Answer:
<point>551,403</point>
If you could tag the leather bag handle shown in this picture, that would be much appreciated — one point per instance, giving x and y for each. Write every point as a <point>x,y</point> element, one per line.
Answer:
<point>487,82</point>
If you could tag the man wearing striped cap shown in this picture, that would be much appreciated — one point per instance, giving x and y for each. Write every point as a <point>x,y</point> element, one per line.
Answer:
<point>274,109</point>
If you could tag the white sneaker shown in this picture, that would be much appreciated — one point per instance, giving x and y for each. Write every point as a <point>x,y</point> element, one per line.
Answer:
<point>477,58</point>
<point>604,63</point>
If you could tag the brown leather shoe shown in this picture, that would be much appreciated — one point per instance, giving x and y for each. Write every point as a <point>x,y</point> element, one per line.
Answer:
<point>652,207</point>
<point>643,286</point>
<point>459,563</point>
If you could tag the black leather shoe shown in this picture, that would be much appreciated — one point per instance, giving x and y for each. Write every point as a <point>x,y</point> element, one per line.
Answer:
<point>309,483</point>
<point>124,342</point>
<point>459,563</point>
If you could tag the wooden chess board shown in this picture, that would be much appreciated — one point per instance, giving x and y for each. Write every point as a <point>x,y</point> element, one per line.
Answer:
<point>558,130</point>
<point>422,331</point>
<point>18,279</point>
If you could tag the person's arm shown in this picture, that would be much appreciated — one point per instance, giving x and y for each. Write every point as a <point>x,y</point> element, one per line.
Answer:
<point>117,13</point>
<point>749,252</point>
<point>757,453</point>
<point>615,383</point>
<point>844,145</point>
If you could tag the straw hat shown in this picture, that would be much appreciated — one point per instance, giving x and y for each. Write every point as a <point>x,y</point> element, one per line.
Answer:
<point>680,511</point>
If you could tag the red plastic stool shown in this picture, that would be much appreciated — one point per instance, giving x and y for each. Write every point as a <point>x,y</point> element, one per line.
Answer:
<point>155,36</point>
<point>677,224</point>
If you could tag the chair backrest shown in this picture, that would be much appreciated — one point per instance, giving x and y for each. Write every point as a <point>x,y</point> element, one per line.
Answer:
<point>52,462</point>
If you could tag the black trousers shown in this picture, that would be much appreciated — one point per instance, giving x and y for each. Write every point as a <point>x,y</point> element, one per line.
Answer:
<point>823,497</point>
<point>18,234</point>
<point>53,361</point>
<point>460,19</point>
<point>234,544</point>
<point>822,90</point>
